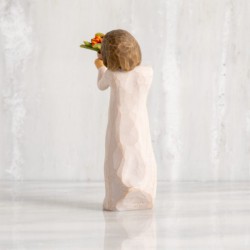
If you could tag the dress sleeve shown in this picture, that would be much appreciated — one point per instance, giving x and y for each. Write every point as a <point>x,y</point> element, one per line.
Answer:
<point>103,79</point>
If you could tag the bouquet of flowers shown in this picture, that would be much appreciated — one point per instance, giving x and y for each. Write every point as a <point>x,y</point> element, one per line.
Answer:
<point>95,43</point>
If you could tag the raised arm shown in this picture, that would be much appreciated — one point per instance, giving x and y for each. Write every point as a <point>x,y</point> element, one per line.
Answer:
<point>102,79</point>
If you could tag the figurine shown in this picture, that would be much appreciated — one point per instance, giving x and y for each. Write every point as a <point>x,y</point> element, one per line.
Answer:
<point>130,169</point>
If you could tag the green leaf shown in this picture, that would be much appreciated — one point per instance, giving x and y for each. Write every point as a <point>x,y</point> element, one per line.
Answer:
<point>87,47</point>
<point>99,34</point>
<point>87,43</point>
<point>97,45</point>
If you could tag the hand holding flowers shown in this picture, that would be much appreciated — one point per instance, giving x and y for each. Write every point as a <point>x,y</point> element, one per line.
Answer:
<point>95,45</point>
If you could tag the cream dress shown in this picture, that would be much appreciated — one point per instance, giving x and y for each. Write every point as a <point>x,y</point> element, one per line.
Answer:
<point>130,169</point>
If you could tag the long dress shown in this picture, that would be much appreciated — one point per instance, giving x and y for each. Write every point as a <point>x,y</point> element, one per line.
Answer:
<point>130,170</point>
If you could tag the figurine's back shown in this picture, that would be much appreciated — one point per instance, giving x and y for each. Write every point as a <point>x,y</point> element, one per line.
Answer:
<point>130,166</point>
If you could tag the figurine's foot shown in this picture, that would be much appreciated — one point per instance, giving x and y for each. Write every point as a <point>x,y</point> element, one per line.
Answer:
<point>135,199</point>
<point>107,206</point>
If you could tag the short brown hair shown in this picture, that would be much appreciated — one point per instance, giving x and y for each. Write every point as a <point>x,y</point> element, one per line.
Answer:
<point>120,50</point>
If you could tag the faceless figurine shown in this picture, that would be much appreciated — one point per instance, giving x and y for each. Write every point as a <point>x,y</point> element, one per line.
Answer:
<point>130,169</point>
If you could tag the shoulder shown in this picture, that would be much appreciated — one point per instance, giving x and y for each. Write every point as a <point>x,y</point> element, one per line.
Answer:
<point>146,69</point>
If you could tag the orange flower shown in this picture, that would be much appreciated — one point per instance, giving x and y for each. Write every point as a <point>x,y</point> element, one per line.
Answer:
<point>96,39</point>
<point>95,43</point>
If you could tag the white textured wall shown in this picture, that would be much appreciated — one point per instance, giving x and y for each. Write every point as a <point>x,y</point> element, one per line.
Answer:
<point>53,117</point>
